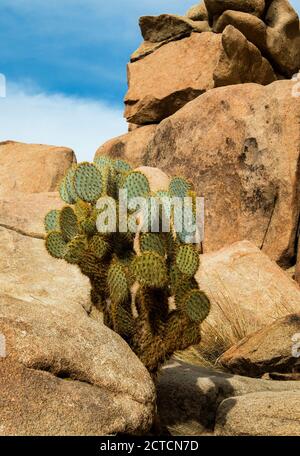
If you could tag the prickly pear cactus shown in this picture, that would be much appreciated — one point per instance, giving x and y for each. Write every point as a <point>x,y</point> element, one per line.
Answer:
<point>143,282</point>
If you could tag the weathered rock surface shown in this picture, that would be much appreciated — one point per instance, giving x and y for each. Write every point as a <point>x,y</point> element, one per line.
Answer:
<point>283,37</point>
<point>272,349</point>
<point>158,86</point>
<point>190,398</point>
<point>239,145</point>
<point>297,269</point>
<point>247,291</point>
<point>159,28</point>
<point>198,12</point>
<point>217,7</point>
<point>254,29</point>
<point>260,414</point>
<point>130,147</point>
<point>32,168</point>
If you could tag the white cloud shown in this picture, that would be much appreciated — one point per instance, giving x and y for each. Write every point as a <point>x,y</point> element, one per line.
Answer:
<point>35,117</point>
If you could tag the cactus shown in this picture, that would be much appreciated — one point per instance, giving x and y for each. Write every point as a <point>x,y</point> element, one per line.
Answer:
<point>134,276</point>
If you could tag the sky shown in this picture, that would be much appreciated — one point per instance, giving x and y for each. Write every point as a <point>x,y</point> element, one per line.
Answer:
<point>65,67</point>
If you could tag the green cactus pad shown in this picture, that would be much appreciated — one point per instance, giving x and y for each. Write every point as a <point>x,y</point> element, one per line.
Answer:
<point>150,270</point>
<point>99,246</point>
<point>117,282</point>
<point>88,182</point>
<point>56,245</point>
<point>197,306</point>
<point>136,184</point>
<point>124,321</point>
<point>68,223</point>
<point>152,242</point>
<point>187,260</point>
<point>75,250</point>
<point>91,267</point>
<point>122,166</point>
<point>64,193</point>
<point>82,210</point>
<point>179,187</point>
<point>69,183</point>
<point>51,221</point>
<point>103,161</point>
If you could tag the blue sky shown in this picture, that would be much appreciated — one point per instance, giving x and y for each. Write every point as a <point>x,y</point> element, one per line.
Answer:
<point>65,65</point>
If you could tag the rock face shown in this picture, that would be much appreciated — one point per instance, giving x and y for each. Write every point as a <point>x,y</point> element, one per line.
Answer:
<point>198,12</point>
<point>217,7</point>
<point>243,144</point>
<point>247,291</point>
<point>297,270</point>
<point>130,147</point>
<point>206,60</point>
<point>260,414</point>
<point>32,168</point>
<point>197,401</point>
<point>275,348</point>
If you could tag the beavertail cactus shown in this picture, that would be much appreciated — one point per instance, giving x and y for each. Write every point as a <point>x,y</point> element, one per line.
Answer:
<point>142,281</point>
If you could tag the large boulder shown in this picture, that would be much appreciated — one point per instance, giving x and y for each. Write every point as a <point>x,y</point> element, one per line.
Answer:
<point>274,348</point>
<point>283,37</point>
<point>190,397</point>
<point>198,12</point>
<point>158,86</point>
<point>217,7</point>
<point>243,143</point>
<point>32,168</point>
<point>260,414</point>
<point>297,270</point>
<point>247,291</point>
<point>130,147</point>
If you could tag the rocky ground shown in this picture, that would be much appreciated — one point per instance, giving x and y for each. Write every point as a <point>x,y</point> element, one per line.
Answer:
<point>210,98</point>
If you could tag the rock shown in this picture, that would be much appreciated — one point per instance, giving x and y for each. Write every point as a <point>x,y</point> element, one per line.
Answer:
<point>160,28</point>
<point>158,87</point>
<point>260,414</point>
<point>198,12</point>
<point>32,168</point>
<point>247,291</point>
<point>129,147</point>
<point>25,212</point>
<point>243,143</point>
<point>297,270</point>
<point>271,349</point>
<point>253,28</point>
<point>217,7</point>
<point>189,397</point>
<point>283,37</point>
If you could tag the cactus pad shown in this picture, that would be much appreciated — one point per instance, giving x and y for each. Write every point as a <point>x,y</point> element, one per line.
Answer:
<point>68,223</point>
<point>64,193</point>
<point>69,183</point>
<point>51,221</point>
<point>197,305</point>
<point>117,282</point>
<point>75,250</point>
<point>179,187</point>
<point>136,184</point>
<point>99,246</point>
<point>187,260</point>
<point>152,242</point>
<point>56,245</point>
<point>150,270</point>
<point>121,166</point>
<point>88,182</point>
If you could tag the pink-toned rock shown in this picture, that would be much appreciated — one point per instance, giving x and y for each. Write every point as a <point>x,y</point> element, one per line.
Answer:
<point>239,145</point>
<point>32,168</point>
<point>129,147</point>
<point>159,86</point>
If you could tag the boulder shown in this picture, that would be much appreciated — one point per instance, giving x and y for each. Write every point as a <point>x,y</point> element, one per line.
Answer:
<point>129,147</point>
<point>158,87</point>
<point>260,414</point>
<point>274,348</point>
<point>159,28</point>
<point>247,291</point>
<point>252,27</point>
<point>283,37</point>
<point>297,270</point>
<point>217,7</point>
<point>32,168</point>
<point>198,12</point>
<point>189,398</point>
<point>243,143</point>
